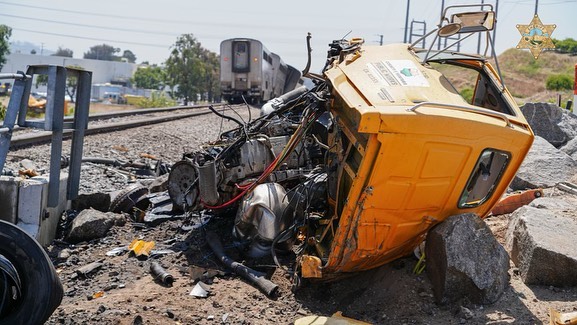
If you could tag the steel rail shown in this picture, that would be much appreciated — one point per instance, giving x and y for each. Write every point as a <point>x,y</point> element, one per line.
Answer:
<point>30,139</point>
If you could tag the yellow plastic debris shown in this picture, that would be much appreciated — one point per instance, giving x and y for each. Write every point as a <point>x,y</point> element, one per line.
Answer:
<point>141,247</point>
<point>336,319</point>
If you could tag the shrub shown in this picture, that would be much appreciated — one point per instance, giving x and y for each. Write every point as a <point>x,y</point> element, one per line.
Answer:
<point>157,99</point>
<point>559,82</point>
<point>467,94</point>
<point>2,112</point>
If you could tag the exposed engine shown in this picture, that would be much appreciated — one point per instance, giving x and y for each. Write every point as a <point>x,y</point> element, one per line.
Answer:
<point>268,169</point>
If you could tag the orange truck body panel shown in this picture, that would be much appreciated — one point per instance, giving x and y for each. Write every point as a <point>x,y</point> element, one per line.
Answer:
<point>408,153</point>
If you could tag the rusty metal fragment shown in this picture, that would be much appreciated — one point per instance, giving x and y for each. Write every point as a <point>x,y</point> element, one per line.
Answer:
<point>514,201</point>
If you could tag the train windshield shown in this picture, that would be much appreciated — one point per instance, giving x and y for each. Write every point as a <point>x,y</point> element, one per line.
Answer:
<point>240,56</point>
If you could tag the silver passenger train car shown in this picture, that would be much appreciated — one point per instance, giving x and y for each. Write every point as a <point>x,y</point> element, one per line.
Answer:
<point>249,70</point>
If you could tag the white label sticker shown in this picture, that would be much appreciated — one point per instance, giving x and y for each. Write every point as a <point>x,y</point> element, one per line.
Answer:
<point>397,73</point>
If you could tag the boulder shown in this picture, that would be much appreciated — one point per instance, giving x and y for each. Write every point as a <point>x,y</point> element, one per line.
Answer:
<point>91,224</point>
<point>543,167</point>
<point>568,124</point>
<point>464,260</point>
<point>544,119</point>
<point>541,242</point>
<point>570,148</point>
<point>98,201</point>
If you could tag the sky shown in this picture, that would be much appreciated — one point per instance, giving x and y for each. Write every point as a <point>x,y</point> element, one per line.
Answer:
<point>149,28</point>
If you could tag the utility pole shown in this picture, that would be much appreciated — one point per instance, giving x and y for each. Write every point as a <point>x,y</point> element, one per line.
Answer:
<point>407,21</point>
<point>479,36</point>
<point>442,10</point>
<point>381,39</point>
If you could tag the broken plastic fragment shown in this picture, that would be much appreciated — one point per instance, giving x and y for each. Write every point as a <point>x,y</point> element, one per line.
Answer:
<point>200,290</point>
<point>97,294</point>
<point>336,318</point>
<point>141,247</point>
<point>117,251</point>
<point>311,267</point>
<point>558,318</point>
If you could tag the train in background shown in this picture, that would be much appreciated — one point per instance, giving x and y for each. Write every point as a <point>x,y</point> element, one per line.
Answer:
<point>250,72</point>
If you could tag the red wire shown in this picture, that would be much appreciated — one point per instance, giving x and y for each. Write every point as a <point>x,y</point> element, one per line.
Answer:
<point>251,186</point>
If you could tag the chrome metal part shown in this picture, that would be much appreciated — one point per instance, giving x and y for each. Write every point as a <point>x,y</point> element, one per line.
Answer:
<point>262,217</point>
<point>183,185</point>
<point>207,182</point>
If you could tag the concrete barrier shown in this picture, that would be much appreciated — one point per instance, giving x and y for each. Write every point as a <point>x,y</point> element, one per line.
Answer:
<point>24,202</point>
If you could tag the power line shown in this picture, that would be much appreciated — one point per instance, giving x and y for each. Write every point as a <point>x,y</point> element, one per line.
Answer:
<point>92,38</point>
<point>107,15</point>
<point>91,26</point>
<point>145,19</point>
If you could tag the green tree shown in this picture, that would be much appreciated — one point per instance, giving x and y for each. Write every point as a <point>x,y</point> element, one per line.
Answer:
<point>149,77</point>
<point>211,85</point>
<point>63,52</point>
<point>129,56</point>
<point>5,33</point>
<point>102,52</point>
<point>71,82</point>
<point>567,45</point>
<point>185,69</point>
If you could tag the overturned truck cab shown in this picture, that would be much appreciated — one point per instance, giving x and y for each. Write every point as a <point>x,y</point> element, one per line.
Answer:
<point>353,172</point>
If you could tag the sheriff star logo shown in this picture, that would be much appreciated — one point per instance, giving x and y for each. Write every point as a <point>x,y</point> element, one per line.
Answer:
<point>536,36</point>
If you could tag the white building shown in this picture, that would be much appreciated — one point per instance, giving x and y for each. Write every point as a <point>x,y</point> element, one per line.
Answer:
<point>103,72</point>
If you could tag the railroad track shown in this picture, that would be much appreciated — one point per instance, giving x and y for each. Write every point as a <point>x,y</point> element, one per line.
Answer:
<point>24,137</point>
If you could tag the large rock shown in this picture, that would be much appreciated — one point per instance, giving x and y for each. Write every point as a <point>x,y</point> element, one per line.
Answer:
<point>91,224</point>
<point>541,242</point>
<point>544,167</point>
<point>465,260</point>
<point>545,120</point>
<point>98,201</point>
<point>569,124</point>
<point>570,148</point>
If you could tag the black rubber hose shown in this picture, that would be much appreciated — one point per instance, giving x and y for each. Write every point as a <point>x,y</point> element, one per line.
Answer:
<point>225,116</point>
<point>254,277</point>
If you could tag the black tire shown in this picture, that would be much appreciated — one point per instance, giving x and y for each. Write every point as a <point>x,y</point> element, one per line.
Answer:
<point>41,288</point>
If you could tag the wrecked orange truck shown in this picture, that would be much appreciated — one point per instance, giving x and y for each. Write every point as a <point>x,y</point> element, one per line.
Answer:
<point>352,172</point>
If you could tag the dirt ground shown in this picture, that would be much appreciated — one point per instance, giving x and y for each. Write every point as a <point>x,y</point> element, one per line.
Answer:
<point>122,290</point>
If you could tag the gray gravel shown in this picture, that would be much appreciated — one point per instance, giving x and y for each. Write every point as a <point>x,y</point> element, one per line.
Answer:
<point>166,142</point>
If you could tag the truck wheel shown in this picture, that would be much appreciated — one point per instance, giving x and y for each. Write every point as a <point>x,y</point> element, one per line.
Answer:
<point>30,289</point>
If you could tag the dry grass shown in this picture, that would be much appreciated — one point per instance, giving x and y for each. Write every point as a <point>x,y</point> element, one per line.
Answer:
<point>525,77</point>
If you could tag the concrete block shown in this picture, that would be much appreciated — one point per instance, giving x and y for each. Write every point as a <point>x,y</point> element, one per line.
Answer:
<point>49,223</point>
<point>30,206</point>
<point>9,198</point>
<point>34,216</point>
